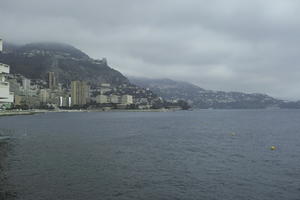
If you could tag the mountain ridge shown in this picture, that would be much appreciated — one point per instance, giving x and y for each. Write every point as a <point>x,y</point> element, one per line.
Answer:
<point>34,60</point>
<point>198,97</point>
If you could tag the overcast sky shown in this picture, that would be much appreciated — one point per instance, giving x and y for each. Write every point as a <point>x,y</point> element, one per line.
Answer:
<point>232,45</point>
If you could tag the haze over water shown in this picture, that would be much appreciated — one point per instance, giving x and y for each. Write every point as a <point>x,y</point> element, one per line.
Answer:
<point>207,154</point>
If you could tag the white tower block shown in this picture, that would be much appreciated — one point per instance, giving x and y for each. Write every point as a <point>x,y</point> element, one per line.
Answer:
<point>1,45</point>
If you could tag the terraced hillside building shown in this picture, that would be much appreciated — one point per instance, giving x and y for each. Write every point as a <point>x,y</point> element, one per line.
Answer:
<point>6,97</point>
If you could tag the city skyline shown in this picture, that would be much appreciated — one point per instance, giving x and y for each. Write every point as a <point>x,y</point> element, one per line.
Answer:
<point>139,99</point>
<point>248,46</point>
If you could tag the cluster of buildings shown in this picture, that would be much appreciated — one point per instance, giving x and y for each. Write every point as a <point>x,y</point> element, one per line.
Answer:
<point>19,92</point>
<point>41,94</point>
<point>82,94</point>
<point>24,93</point>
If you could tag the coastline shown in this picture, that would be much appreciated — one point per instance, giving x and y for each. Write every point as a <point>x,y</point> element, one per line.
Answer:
<point>14,113</point>
<point>33,112</point>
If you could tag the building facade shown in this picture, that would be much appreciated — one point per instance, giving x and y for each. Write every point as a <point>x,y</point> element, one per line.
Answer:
<point>114,99</point>
<point>44,95</point>
<point>79,93</point>
<point>26,85</point>
<point>102,99</point>
<point>64,101</point>
<point>126,99</point>
<point>52,81</point>
<point>6,97</point>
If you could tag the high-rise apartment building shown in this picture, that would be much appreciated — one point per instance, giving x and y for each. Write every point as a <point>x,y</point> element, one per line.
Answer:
<point>79,93</point>
<point>52,81</point>
<point>1,45</point>
<point>44,95</point>
<point>5,95</point>
<point>26,85</point>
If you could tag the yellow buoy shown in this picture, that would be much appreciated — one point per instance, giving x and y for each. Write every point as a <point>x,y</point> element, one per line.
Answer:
<point>273,148</point>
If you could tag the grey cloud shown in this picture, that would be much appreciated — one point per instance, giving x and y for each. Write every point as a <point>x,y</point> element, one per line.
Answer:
<point>249,45</point>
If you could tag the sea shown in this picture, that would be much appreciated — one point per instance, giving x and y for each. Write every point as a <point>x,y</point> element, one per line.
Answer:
<point>182,155</point>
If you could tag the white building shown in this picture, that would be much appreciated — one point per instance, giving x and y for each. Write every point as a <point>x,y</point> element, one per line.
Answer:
<point>126,99</point>
<point>1,45</point>
<point>64,101</point>
<point>105,85</point>
<point>26,85</point>
<point>102,99</point>
<point>114,99</point>
<point>5,95</point>
<point>44,95</point>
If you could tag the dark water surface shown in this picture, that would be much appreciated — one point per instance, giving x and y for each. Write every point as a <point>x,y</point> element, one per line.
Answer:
<point>206,154</point>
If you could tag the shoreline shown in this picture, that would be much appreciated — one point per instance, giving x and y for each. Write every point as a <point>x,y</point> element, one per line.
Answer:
<point>14,113</point>
<point>33,112</point>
